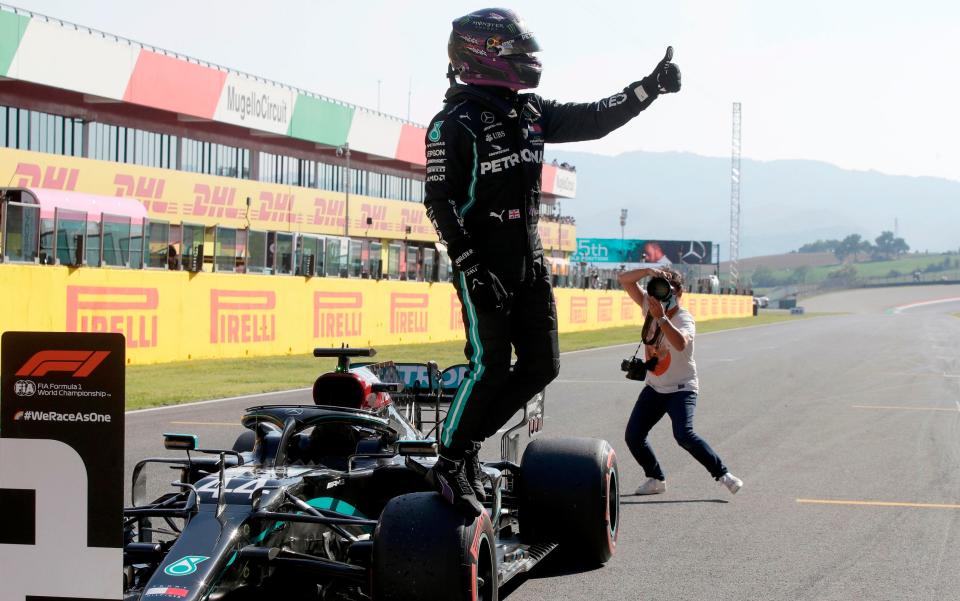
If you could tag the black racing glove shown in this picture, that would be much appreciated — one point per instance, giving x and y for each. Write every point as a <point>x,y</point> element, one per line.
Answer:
<point>484,288</point>
<point>665,78</point>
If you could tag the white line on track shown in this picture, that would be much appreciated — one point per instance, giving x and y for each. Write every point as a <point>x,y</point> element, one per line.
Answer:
<point>958,405</point>
<point>260,394</point>
<point>598,348</point>
<point>232,398</point>
<point>939,301</point>
<point>623,381</point>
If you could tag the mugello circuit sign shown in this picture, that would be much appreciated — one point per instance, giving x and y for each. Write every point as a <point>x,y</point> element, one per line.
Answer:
<point>255,104</point>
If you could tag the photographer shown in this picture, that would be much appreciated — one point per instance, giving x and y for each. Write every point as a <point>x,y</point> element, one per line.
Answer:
<point>671,378</point>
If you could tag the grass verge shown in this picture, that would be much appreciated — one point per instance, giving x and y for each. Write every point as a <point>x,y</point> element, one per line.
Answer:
<point>185,381</point>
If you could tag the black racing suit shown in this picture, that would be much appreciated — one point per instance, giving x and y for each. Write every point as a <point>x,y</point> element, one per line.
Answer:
<point>484,155</point>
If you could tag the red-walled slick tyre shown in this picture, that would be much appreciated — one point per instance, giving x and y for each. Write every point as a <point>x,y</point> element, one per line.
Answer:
<point>425,550</point>
<point>570,494</point>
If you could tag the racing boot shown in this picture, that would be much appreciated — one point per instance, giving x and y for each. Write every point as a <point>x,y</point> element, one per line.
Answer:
<point>471,461</point>
<point>449,477</point>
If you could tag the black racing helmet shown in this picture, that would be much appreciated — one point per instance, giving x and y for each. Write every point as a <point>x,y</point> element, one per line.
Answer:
<point>493,47</point>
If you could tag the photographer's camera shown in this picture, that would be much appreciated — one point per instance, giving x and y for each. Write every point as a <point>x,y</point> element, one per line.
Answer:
<point>636,369</point>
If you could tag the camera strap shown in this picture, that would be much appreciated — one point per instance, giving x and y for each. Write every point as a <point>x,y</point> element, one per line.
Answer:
<point>648,337</point>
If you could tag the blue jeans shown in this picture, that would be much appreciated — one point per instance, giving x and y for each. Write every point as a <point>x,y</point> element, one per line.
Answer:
<point>650,408</point>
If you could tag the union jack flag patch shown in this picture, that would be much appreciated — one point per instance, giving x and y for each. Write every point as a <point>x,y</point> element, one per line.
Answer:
<point>513,214</point>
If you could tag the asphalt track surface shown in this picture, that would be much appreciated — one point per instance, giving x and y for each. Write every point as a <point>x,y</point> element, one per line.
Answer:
<point>845,429</point>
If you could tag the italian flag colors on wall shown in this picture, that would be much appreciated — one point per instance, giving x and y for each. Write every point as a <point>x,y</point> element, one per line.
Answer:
<point>48,53</point>
<point>73,58</point>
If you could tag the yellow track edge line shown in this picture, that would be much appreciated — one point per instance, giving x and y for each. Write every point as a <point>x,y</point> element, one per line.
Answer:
<point>904,408</point>
<point>877,503</point>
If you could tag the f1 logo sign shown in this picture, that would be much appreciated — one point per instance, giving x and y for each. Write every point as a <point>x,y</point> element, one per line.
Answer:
<point>80,364</point>
<point>61,465</point>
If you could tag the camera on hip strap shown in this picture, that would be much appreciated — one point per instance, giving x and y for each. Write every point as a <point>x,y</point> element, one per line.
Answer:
<point>636,368</point>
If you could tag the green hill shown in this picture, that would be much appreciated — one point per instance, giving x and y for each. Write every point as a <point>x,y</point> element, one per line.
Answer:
<point>930,266</point>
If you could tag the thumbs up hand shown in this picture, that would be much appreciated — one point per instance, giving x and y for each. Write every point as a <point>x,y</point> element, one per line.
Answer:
<point>665,78</point>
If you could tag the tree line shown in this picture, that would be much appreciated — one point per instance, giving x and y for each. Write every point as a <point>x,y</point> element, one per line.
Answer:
<point>886,246</point>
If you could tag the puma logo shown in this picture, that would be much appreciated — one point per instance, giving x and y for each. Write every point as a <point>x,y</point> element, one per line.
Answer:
<point>498,215</point>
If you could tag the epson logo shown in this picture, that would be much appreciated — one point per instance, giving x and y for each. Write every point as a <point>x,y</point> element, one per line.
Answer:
<point>498,165</point>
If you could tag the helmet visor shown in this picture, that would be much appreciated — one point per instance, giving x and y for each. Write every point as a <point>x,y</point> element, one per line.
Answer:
<point>524,43</point>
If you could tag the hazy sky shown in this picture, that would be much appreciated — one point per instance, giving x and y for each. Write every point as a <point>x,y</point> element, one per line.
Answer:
<point>863,84</point>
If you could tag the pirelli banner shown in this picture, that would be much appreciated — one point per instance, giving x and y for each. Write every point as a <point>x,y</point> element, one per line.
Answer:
<point>171,316</point>
<point>178,197</point>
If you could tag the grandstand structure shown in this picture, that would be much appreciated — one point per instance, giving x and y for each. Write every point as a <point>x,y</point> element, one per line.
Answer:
<point>118,154</point>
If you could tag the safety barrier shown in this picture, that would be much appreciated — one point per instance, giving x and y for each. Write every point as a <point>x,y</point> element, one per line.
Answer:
<point>171,316</point>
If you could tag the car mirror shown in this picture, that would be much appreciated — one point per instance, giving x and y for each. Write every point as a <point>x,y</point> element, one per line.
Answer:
<point>138,490</point>
<point>180,442</point>
<point>417,448</point>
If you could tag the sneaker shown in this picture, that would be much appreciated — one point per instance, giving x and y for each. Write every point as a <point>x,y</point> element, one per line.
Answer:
<point>449,478</point>
<point>475,472</point>
<point>652,486</point>
<point>732,483</point>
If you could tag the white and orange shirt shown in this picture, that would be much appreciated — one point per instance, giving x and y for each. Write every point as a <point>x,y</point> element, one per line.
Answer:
<point>676,370</point>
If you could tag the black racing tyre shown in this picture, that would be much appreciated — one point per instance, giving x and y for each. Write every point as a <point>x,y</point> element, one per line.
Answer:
<point>425,550</point>
<point>245,442</point>
<point>570,494</point>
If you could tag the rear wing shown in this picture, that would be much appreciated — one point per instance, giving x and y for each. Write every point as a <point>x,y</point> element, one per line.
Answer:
<point>416,376</point>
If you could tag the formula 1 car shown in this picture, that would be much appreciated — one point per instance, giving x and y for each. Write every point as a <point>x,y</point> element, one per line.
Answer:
<point>329,501</point>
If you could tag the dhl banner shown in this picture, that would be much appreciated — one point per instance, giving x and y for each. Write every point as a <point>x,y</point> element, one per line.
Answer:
<point>172,316</point>
<point>179,196</point>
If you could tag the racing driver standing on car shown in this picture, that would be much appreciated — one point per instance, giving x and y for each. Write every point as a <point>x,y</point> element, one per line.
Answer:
<point>484,152</point>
